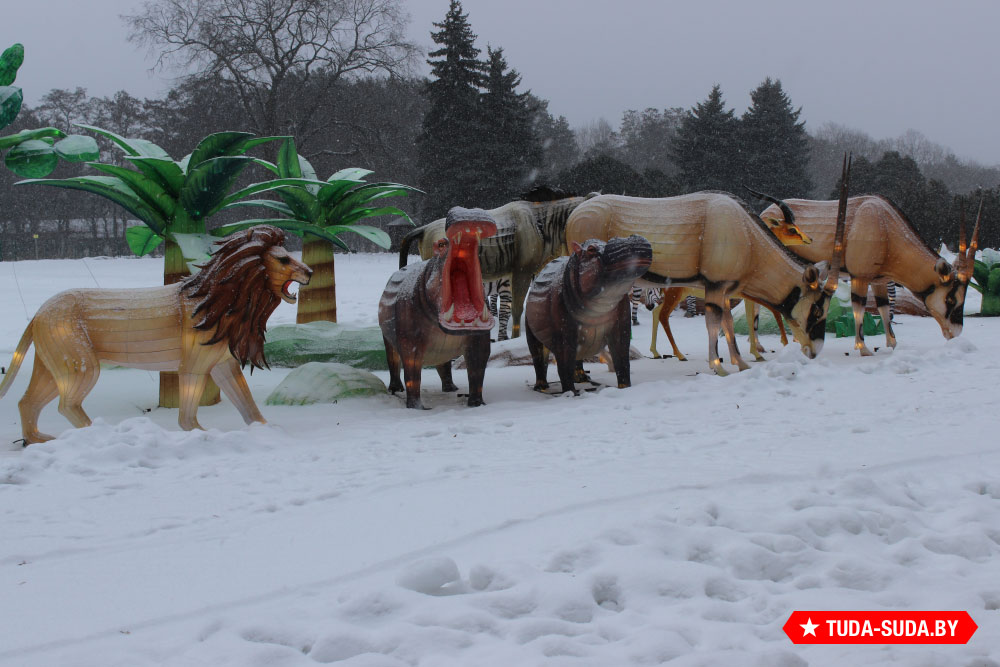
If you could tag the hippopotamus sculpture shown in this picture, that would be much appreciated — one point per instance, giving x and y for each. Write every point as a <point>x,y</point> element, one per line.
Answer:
<point>579,304</point>
<point>435,311</point>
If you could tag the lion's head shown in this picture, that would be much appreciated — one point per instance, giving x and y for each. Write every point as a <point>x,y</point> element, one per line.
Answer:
<point>241,285</point>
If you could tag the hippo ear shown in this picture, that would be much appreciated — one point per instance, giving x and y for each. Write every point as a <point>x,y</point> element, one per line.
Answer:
<point>576,248</point>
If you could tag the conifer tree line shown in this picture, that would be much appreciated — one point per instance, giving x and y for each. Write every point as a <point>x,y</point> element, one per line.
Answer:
<point>468,134</point>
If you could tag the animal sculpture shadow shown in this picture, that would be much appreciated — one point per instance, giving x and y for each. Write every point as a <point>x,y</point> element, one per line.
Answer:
<point>208,324</point>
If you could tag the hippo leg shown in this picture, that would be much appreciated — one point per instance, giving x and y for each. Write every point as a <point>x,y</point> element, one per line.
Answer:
<point>477,353</point>
<point>564,347</point>
<point>618,344</point>
<point>392,358</point>
<point>412,367</point>
<point>444,372</point>
<point>539,358</point>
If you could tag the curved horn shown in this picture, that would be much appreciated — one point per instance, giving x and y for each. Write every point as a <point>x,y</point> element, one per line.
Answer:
<point>838,240</point>
<point>960,255</point>
<point>785,210</point>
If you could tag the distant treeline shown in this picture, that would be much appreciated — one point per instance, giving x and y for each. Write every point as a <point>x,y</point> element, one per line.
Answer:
<point>468,135</point>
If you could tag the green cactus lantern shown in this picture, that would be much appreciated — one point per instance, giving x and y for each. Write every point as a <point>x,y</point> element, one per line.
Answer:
<point>34,153</point>
<point>986,280</point>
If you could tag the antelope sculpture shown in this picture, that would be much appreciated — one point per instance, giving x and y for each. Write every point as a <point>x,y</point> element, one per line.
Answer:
<point>882,245</point>
<point>785,230</point>
<point>709,239</point>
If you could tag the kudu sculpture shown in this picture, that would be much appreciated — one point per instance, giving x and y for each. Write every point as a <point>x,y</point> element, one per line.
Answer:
<point>709,239</point>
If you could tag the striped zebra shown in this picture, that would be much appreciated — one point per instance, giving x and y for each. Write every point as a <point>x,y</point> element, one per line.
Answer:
<point>499,297</point>
<point>647,296</point>
<point>891,289</point>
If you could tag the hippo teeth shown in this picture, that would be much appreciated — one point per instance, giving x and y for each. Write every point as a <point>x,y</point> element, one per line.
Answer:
<point>449,316</point>
<point>485,315</point>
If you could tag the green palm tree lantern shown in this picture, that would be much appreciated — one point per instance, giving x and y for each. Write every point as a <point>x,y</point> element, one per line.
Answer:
<point>34,153</point>
<point>173,198</point>
<point>319,212</point>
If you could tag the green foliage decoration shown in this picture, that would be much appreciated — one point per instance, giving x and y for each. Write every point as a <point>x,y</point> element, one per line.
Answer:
<point>321,209</point>
<point>34,153</point>
<point>173,198</point>
<point>986,280</point>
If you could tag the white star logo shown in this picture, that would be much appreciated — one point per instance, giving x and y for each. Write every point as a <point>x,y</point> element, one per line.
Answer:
<point>809,628</point>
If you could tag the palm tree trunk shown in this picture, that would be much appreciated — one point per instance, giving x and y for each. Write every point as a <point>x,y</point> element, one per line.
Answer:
<point>318,299</point>
<point>990,305</point>
<point>174,270</point>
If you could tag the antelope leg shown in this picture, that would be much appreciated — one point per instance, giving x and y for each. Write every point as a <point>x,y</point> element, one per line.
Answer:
<point>859,295</point>
<point>713,321</point>
<point>728,329</point>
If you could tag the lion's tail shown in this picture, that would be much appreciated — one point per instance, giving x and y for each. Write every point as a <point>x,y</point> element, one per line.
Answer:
<point>15,364</point>
<point>404,245</point>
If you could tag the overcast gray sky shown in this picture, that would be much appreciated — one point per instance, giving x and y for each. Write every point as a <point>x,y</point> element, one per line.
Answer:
<point>881,66</point>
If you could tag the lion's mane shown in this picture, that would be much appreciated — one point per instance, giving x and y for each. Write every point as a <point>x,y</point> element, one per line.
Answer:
<point>235,296</point>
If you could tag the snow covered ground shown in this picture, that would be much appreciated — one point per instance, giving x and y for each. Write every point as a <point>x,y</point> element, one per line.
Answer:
<point>679,521</point>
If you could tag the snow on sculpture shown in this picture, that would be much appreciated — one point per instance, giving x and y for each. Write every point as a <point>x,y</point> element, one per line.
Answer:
<point>710,239</point>
<point>211,323</point>
<point>435,311</point>
<point>881,245</point>
<point>579,304</point>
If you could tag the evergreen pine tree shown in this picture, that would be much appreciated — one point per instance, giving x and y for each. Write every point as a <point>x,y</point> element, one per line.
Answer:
<point>447,146</point>
<point>774,144</point>
<point>510,147</point>
<point>705,149</point>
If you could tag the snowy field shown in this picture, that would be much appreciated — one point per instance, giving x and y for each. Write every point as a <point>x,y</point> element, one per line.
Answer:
<point>679,521</point>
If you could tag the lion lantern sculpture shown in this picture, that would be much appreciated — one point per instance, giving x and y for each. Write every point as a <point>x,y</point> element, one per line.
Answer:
<point>579,304</point>
<point>211,323</point>
<point>435,311</point>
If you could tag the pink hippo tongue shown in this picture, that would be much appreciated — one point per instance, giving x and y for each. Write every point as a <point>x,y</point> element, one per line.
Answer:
<point>463,304</point>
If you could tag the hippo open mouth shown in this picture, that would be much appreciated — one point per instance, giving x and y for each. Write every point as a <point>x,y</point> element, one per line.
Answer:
<point>463,304</point>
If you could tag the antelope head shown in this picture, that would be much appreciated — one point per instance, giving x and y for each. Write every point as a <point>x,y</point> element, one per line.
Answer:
<point>808,316</point>
<point>945,298</point>
<point>785,230</point>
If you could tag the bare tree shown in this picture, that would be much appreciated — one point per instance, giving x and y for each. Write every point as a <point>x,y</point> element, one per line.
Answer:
<point>62,107</point>
<point>283,56</point>
<point>598,137</point>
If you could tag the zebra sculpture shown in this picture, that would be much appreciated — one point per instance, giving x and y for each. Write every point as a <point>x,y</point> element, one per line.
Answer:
<point>530,232</point>
<point>498,298</point>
